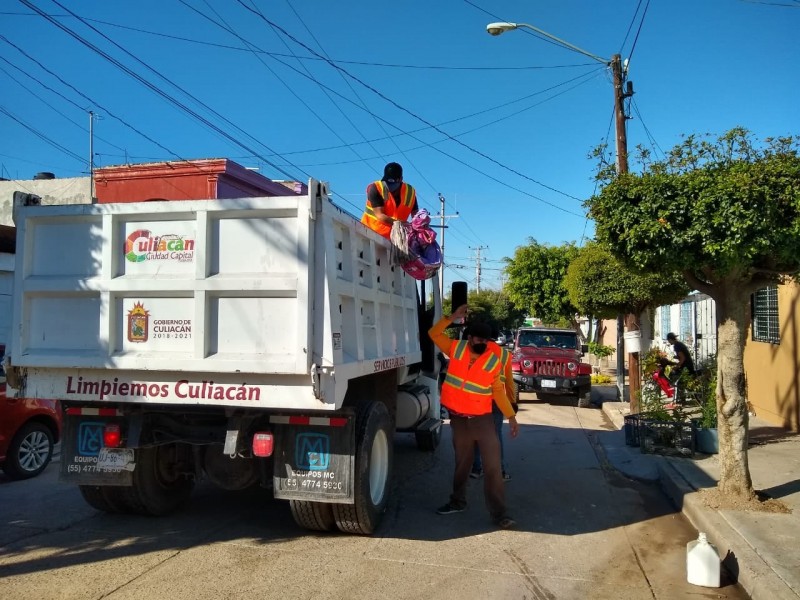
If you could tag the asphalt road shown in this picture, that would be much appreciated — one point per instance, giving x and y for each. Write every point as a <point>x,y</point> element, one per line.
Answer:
<point>583,531</point>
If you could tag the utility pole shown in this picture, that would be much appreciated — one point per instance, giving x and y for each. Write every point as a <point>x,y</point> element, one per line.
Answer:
<point>630,320</point>
<point>91,156</point>
<point>442,226</point>
<point>478,266</point>
<point>441,245</point>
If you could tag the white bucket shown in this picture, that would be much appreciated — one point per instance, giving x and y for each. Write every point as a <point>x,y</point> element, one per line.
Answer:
<point>702,563</point>
<point>633,341</point>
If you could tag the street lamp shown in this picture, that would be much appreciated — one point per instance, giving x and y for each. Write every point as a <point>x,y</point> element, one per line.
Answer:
<point>502,27</point>
<point>615,63</point>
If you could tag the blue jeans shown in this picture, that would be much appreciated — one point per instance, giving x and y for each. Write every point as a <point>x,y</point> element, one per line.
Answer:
<point>498,418</point>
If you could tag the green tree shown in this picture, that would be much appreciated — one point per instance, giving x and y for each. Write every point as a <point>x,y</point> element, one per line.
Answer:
<point>492,307</point>
<point>725,213</point>
<point>536,281</point>
<point>599,284</point>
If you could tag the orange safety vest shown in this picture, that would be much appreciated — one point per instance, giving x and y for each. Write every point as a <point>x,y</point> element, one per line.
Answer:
<point>408,198</point>
<point>468,390</point>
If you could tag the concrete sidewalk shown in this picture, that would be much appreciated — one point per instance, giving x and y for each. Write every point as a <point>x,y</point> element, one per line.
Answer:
<point>761,550</point>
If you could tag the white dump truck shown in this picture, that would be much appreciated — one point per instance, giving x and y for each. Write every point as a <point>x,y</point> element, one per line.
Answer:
<point>258,340</point>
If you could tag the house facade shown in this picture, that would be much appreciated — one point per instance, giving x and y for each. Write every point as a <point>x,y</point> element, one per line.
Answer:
<point>772,355</point>
<point>771,350</point>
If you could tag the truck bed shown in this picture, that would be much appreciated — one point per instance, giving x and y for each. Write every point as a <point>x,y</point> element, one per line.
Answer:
<point>259,302</point>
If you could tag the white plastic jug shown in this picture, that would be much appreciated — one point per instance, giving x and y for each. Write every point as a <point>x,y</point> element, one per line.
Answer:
<point>702,562</point>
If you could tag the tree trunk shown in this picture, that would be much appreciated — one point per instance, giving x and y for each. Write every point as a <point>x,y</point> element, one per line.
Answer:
<point>732,415</point>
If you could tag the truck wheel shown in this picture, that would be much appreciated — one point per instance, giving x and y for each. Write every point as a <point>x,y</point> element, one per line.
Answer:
<point>160,483</point>
<point>373,471</point>
<point>316,516</point>
<point>30,451</point>
<point>584,397</point>
<point>428,441</point>
<point>104,498</point>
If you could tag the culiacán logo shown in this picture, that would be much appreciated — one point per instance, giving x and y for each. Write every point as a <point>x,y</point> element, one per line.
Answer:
<point>142,245</point>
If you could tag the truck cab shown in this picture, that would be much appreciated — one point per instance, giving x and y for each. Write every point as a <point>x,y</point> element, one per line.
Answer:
<point>548,360</point>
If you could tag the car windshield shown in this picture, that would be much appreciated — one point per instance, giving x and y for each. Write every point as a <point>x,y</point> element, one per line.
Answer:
<point>539,339</point>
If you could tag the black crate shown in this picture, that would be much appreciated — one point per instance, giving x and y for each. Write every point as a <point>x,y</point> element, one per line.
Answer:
<point>631,427</point>
<point>671,438</point>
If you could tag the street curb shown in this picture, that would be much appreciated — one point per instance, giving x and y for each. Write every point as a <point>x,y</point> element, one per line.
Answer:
<point>739,558</point>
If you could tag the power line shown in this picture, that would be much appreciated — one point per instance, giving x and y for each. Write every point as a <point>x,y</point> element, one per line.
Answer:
<point>314,58</point>
<point>638,31</point>
<point>402,108</point>
<point>41,136</point>
<point>46,103</point>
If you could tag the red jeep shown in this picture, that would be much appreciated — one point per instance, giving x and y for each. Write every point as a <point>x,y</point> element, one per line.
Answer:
<point>548,360</point>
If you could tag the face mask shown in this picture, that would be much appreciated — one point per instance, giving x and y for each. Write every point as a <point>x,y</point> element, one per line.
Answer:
<point>394,185</point>
<point>479,348</point>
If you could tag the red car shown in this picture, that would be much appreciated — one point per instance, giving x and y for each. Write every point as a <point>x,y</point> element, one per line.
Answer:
<point>29,428</point>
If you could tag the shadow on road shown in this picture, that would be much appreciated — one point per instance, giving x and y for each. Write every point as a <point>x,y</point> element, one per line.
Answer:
<point>561,486</point>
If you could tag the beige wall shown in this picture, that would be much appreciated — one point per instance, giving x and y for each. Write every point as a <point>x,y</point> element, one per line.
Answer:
<point>773,370</point>
<point>73,190</point>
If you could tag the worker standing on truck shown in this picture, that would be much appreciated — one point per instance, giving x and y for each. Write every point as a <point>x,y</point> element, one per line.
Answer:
<point>389,200</point>
<point>471,384</point>
<point>506,378</point>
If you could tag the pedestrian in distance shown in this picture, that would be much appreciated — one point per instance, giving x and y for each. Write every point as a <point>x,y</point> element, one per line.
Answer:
<point>471,385</point>
<point>389,200</point>
<point>506,377</point>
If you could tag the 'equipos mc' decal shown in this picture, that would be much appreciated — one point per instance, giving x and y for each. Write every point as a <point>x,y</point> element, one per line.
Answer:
<point>312,451</point>
<point>90,438</point>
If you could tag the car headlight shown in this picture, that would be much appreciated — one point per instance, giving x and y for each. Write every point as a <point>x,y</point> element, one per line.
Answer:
<point>572,365</point>
<point>527,364</point>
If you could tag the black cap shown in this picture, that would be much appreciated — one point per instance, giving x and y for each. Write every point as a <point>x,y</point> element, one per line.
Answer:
<point>392,172</point>
<point>480,330</point>
<point>672,336</point>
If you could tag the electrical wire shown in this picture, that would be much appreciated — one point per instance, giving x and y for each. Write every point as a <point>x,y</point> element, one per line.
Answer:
<point>42,136</point>
<point>314,58</point>
<point>638,31</point>
<point>46,103</point>
<point>630,27</point>
<point>469,116</point>
<point>653,143</point>
<point>405,110</point>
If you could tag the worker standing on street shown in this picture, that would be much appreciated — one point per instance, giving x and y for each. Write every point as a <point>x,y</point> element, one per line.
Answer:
<point>506,377</point>
<point>389,200</point>
<point>471,384</point>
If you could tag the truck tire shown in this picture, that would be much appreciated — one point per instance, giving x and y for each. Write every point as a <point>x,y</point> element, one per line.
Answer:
<point>159,481</point>
<point>584,397</point>
<point>104,498</point>
<point>316,516</point>
<point>428,441</point>
<point>373,470</point>
<point>30,451</point>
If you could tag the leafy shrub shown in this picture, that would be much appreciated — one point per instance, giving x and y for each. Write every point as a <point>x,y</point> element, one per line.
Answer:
<point>599,350</point>
<point>598,378</point>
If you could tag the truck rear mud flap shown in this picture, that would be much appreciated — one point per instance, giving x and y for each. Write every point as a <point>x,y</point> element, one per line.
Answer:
<point>314,462</point>
<point>83,458</point>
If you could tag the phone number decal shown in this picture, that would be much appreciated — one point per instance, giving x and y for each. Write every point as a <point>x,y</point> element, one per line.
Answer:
<point>390,363</point>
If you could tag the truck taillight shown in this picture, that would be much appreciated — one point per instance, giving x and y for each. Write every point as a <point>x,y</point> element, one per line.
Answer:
<point>263,444</point>
<point>112,436</point>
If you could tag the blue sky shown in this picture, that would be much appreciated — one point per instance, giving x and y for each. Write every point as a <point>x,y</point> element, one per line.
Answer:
<point>500,126</point>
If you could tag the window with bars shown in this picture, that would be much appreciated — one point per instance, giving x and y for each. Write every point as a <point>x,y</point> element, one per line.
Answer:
<point>766,325</point>
<point>686,322</point>
<point>666,323</point>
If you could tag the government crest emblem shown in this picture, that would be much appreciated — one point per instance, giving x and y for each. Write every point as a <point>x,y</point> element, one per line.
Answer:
<point>138,323</point>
